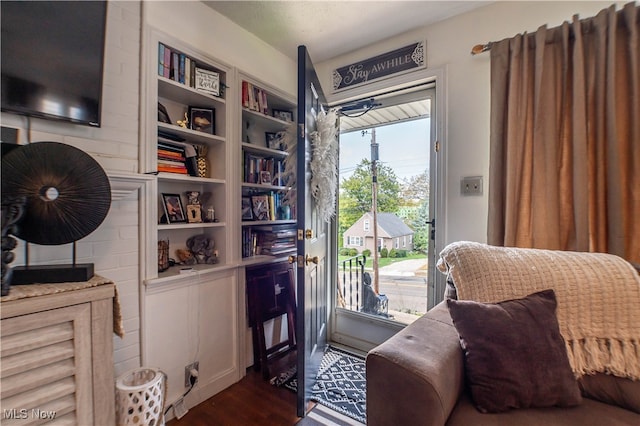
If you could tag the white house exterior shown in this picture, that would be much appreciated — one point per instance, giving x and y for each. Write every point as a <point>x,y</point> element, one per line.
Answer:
<point>393,233</point>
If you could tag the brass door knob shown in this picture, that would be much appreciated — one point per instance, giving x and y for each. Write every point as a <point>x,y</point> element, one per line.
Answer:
<point>292,259</point>
<point>308,259</point>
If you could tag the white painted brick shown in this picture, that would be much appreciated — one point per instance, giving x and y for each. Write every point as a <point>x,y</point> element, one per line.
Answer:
<point>129,150</point>
<point>128,305</point>
<point>130,337</point>
<point>128,259</point>
<point>106,263</point>
<point>132,326</point>
<point>123,366</point>
<point>127,352</point>
<point>123,274</point>
<point>129,290</point>
<point>116,148</point>
<point>128,232</point>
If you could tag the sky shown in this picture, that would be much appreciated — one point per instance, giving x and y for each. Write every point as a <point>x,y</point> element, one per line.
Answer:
<point>404,147</point>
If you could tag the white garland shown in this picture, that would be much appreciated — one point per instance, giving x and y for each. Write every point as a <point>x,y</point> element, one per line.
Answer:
<point>289,142</point>
<point>324,164</point>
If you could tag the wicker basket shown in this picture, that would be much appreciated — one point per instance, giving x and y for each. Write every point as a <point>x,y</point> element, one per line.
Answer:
<point>140,397</point>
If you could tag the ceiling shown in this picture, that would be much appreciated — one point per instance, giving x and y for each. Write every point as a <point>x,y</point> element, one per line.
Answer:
<point>332,28</point>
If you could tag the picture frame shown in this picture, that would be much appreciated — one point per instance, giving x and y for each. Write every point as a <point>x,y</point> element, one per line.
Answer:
<point>163,115</point>
<point>202,119</point>
<point>260,207</point>
<point>247,209</point>
<point>207,81</point>
<point>265,177</point>
<point>173,210</point>
<point>283,115</point>
<point>194,213</point>
<point>273,140</point>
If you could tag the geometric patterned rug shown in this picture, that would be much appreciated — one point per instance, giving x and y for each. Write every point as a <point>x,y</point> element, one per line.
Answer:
<point>341,384</point>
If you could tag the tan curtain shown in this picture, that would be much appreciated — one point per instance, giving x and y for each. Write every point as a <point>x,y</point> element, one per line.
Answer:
<point>565,136</point>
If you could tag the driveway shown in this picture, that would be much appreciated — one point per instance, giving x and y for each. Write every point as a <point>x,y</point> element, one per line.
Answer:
<point>406,268</point>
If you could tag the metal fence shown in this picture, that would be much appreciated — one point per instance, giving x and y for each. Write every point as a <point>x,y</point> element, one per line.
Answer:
<point>351,275</point>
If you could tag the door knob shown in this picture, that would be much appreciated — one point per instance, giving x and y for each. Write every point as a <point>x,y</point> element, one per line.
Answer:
<point>308,234</point>
<point>308,259</point>
<point>292,259</point>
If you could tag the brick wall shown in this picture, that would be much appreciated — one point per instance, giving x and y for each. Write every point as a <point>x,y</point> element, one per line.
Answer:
<point>113,247</point>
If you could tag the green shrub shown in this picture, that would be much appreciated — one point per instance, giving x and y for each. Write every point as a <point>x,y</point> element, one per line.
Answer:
<point>384,252</point>
<point>353,252</point>
<point>344,251</point>
<point>366,253</point>
<point>401,253</point>
<point>393,253</point>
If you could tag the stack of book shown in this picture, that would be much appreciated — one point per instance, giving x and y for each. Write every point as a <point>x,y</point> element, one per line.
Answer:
<point>254,98</point>
<point>176,65</point>
<point>255,164</point>
<point>271,240</point>
<point>174,157</point>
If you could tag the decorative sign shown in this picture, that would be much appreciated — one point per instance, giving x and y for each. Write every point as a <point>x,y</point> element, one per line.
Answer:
<point>394,62</point>
<point>208,81</point>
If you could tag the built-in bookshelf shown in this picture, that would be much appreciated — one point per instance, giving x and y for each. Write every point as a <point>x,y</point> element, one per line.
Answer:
<point>268,215</point>
<point>188,150</point>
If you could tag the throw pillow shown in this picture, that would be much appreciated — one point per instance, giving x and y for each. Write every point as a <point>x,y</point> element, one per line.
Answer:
<point>514,354</point>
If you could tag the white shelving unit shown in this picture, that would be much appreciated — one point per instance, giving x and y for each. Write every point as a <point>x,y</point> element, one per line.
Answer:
<point>177,98</point>
<point>257,120</point>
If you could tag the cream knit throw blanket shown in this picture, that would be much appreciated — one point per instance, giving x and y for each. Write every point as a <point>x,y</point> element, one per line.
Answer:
<point>598,297</point>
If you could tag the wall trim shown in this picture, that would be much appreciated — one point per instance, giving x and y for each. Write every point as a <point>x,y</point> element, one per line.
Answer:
<point>124,184</point>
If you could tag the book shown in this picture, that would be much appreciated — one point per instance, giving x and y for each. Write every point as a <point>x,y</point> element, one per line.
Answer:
<point>161,59</point>
<point>167,62</point>
<point>187,71</point>
<point>245,94</point>
<point>175,66</point>
<point>181,68</point>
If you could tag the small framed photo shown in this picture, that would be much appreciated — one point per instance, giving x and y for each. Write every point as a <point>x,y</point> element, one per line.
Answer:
<point>202,119</point>
<point>207,81</point>
<point>173,208</point>
<point>273,140</point>
<point>247,211</point>
<point>260,205</point>
<point>283,115</point>
<point>265,178</point>
<point>194,213</point>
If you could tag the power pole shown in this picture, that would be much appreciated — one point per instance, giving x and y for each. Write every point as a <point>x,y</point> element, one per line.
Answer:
<point>374,208</point>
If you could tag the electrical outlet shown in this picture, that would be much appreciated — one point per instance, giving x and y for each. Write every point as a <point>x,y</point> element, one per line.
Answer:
<point>471,185</point>
<point>187,373</point>
<point>179,409</point>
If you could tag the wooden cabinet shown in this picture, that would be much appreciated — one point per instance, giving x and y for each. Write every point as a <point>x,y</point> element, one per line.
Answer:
<point>57,358</point>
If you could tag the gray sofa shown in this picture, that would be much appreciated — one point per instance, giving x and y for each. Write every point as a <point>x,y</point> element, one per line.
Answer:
<point>418,378</point>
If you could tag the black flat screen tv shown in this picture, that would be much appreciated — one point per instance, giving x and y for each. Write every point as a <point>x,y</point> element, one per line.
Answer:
<point>52,59</point>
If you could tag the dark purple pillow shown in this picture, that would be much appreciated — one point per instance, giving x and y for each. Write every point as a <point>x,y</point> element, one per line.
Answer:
<point>514,354</point>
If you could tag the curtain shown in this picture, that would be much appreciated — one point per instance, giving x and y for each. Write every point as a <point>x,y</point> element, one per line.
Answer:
<point>565,137</point>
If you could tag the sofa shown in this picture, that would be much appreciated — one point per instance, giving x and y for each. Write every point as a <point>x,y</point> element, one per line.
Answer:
<point>424,375</point>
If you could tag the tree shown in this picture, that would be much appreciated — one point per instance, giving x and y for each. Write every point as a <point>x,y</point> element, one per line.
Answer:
<point>415,189</point>
<point>355,193</point>
<point>421,229</point>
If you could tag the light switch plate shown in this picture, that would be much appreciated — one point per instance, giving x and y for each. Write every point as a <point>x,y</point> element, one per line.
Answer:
<point>471,185</point>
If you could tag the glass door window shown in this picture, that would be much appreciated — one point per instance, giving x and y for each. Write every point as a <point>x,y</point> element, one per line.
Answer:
<point>384,196</point>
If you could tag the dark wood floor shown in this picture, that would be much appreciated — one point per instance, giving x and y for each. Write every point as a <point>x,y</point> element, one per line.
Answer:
<point>251,401</point>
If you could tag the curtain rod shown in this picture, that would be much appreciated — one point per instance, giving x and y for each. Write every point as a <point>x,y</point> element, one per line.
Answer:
<point>479,48</point>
